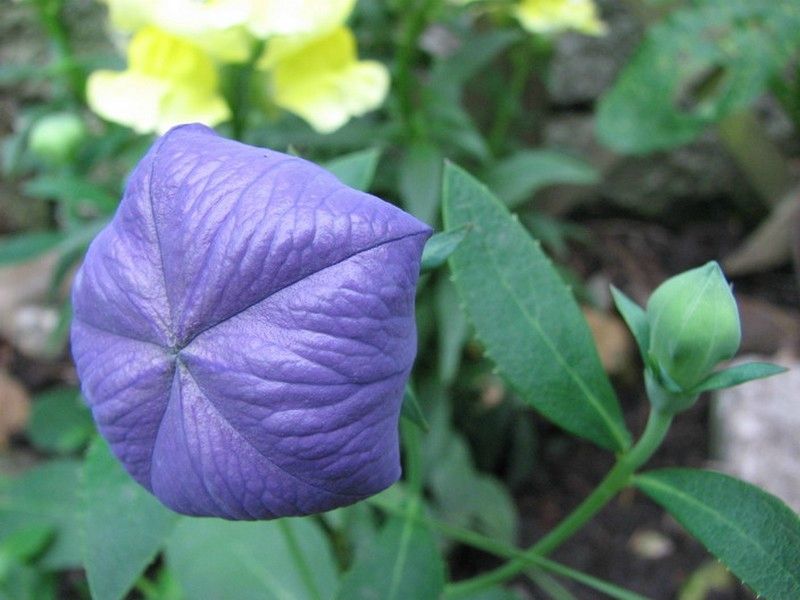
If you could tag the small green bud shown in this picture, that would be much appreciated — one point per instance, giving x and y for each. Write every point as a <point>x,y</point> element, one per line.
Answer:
<point>55,137</point>
<point>694,324</point>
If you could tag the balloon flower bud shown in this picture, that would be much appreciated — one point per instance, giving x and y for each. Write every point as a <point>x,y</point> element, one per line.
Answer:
<point>244,328</point>
<point>694,325</point>
<point>55,137</point>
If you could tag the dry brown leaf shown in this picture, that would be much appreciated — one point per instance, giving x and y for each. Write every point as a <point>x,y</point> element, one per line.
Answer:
<point>614,342</point>
<point>14,408</point>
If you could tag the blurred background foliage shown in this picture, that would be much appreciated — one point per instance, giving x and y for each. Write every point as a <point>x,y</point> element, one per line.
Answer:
<point>633,138</point>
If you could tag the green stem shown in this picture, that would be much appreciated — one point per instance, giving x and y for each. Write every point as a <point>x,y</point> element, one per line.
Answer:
<point>240,92</point>
<point>616,479</point>
<point>413,455</point>
<point>509,103</point>
<point>300,559</point>
<point>757,156</point>
<point>491,546</point>
<point>49,12</point>
<point>417,18</point>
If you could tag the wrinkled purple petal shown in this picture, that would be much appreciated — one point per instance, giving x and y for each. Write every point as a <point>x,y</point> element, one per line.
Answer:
<point>244,329</point>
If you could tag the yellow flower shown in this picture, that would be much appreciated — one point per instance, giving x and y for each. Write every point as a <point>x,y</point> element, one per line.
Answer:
<point>216,26</point>
<point>554,16</point>
<point>168,81</point>
<point>297,17</point>
<point>321,79</point>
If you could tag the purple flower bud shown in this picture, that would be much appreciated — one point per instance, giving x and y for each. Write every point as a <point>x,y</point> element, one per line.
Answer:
<point>244,328</point>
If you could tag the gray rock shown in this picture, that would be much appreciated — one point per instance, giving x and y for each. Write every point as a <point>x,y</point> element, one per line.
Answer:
<point>757,432</point>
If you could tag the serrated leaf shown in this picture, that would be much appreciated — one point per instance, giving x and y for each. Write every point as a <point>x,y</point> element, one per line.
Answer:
<point>237,560</point>
<point>753,533</point>
<point>410,408</point>
<point>124,525</point>
<point>738,374</point>
<point>47,496</point>
<point>700,64</point>
<point>420,181</point>
<point>525,316</point>
<point>440,246</point>
<point>356,169</point>
<point>404,563</point>
<point>60,421</point>
<point>517,178</point>
<point>635,317</point>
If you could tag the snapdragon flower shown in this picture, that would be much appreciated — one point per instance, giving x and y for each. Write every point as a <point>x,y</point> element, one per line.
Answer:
<point>549,17</point>
<point>320,78</point>
<point>168,81</point>
<point>243,330</point>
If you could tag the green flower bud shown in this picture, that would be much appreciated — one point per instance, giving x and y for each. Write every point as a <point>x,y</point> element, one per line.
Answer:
<point>694,324</point>
<point>55,137</point>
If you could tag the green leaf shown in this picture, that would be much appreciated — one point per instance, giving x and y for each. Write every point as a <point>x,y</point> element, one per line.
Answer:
<point>526,318</point>
<point>518,177</point>
<point>25,246</point>
<point>471,57</point>
<point>451,327</point>
<point>404,563</point>
<point>699,65</point>
<point>72,190</point>
<point>738,374</point>
<point>236,560</point>
<point>356,169</point>
<point>25,544</point>
<point>468,498</point>
<point>420,181</point>
<point>411,410</point>
<point>440,246</point>
<point>753,533</point>
<point>47,496</point>
<point>124,525</point>
<point>60,422</point>
<point>636,319</point>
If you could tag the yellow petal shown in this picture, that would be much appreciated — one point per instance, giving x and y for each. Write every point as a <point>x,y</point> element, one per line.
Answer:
<point>130,15</point>
<point>322,80</point>
<point>168,81</point>
<point>162,55</point>
<point>127,98</point>
<point>298,17</point>
<point>553,16</point>
<point>218,27</point>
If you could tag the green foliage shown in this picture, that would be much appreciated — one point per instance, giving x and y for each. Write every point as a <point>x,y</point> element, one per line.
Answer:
<point>124,526</point>
<point>517,178</point>
<point>47,496</point>
<point>212,558</point>
<point>526,317</point>
<point>753,533</point>
<point>701,64</point>
<point>60,422</point>
<point>738,374</point>
<point>25,246</point>
<point>440,246</point>
<point>404,563</point>
<point>357,169</point>
<point>420,180</point>
<point>411,410</point>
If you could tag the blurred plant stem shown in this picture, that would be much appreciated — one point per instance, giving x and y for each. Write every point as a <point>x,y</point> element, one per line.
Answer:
<point>413,456</point>
<point>299,558</point>
<point>539,563</point>
<point>415,14</point>
<point>51,19</point>
<point>617,479</point>
<point>763,164</point>
<point>528,55</point>
<point>240,92</point>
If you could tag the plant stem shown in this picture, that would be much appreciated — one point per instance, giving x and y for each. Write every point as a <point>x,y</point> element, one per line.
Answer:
<point>616,479</point>
<point>509,103</point>
<point>300,559</point>
<point>491,546</point>
<point>49,12</point>
<point>417,18</point>
<point>756,155</point>
<point>240,92</point>
<point>413,455</point>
